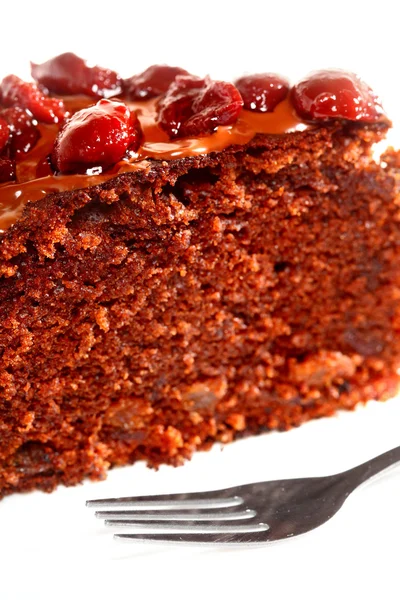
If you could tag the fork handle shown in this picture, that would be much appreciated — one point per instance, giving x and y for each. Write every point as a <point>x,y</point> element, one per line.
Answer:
<point>357,475</point>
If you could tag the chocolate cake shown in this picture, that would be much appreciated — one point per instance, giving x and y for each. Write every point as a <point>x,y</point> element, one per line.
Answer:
<point>186,260</point>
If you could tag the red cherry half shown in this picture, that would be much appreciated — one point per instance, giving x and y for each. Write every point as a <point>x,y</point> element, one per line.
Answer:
<point>336,94</point>
<point>69,74</point>
<point>153,82</point>
<point>262,92</point>
<point>194,106</point>
<point>16,92</point>
<point>97,136</point>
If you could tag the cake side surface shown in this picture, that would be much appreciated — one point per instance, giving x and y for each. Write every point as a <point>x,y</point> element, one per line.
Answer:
<point>197,300</point>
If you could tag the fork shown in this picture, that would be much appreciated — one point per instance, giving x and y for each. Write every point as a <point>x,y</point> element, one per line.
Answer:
<point>245,514</point>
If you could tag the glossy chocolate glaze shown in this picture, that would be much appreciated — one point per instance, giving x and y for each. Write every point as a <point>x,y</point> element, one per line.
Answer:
<point>156,145</point>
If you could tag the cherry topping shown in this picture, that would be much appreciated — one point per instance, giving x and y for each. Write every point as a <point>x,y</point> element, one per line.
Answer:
<point>262,92</point>
<point>194,106</point>
<point>23,130</point>
<point>69,74</point>
<point>154,81</point>
<point>97,136</point>
<point>334,94</point>
<point>4,133</point>
<point>7,170</point>
<point>176,107</point>
<point>14,91</point>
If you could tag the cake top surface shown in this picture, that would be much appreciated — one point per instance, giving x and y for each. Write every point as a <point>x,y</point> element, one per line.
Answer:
<point>77,126</point>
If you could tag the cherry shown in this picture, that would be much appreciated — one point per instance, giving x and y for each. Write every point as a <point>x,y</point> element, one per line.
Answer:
<point>7,170</point>
<point>15,92</point>
<point>219,103</point>
<point>176,107</point>
<point>4,133</point>
<point>262,92</point>
<point>154,81</point>
<point>334,94</point>
<point>194,106</point>
<point>23,130</point>
<point>69,74</point>
<point>97,136</point>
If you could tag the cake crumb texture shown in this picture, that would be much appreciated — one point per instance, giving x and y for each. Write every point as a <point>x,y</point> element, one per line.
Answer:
<point>195,301</point>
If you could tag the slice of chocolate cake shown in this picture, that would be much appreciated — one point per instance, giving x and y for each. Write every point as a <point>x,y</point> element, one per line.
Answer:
<point>178,269</point>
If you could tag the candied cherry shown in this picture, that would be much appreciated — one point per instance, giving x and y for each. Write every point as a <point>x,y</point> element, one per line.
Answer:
<point>336,94</point>
<point>262,92</point>
<point>69,74</point>
<point>4,133</point>
<point>154,81</point>
<point>15,92</point>
<point>176,107</point>
<point>23,131</point>
<point>7,170</point>
<point>97,136</point>
<point>193,106</point>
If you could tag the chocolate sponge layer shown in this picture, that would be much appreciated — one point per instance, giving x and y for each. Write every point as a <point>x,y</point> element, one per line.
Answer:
<point>197,300</point>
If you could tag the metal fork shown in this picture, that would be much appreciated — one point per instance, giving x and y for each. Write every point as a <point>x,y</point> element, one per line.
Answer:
<point>246,514</point>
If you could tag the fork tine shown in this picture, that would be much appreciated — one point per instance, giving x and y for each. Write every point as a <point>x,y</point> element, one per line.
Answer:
<point>197,538</point>
<point>215,499</point>
<point>191,527</point>
<point>229,514</point>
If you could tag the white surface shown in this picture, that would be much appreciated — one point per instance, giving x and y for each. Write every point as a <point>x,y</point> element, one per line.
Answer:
<point>51,547</point>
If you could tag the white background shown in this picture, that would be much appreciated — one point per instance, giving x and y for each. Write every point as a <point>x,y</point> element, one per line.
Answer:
<point>51,547</point>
